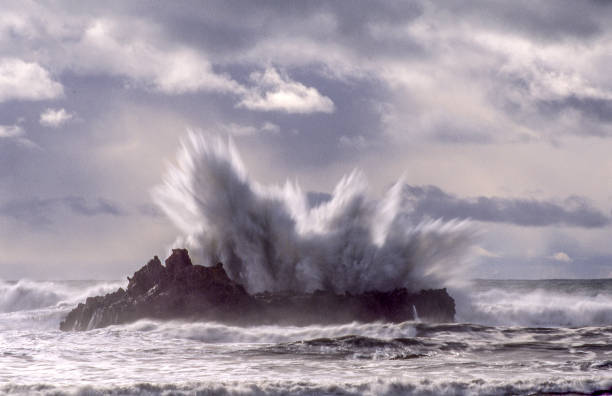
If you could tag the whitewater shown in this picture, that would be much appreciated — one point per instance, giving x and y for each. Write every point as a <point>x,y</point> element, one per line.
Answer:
<point>509,337</point>
<point>499,345</point>
<point>271,238</point>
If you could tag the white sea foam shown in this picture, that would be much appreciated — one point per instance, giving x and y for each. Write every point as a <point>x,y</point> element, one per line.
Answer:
<point>176,357</point>
<point>507,306</point>
<point>269,238</point>
<point>381,386</point>
<point>27,295</point>
<point>28,304</point>
<point>211,332</point>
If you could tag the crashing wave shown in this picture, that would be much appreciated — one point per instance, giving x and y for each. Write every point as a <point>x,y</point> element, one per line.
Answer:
<point>270,238</point>
<point>25,295</point>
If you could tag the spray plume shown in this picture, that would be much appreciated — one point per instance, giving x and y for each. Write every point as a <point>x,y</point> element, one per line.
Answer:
<point>270,238</point>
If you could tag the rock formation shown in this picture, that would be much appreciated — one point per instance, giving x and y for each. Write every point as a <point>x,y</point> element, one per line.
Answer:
<point>181,290</point>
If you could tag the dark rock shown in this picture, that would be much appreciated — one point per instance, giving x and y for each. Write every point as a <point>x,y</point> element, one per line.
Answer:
<point>178,261</point>
<point>147,277</point>
<point>181,290</point>
<point>324,307</point>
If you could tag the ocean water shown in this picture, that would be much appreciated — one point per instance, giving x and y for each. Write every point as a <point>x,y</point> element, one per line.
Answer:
<point>510,337</point>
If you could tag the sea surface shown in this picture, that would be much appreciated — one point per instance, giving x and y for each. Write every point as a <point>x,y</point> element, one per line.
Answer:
<point>511,337</point>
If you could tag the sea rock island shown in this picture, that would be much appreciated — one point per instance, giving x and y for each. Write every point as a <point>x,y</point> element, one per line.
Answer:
<point>181,290</point>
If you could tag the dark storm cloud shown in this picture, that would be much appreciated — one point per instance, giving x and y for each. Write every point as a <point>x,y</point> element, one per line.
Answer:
<point>542,20</point>
<point>229,33</point>
<point>599,110</point>
<point>232,26</point>
<point>229,26</point>
<point>40,212</point>
<point>432,202</point>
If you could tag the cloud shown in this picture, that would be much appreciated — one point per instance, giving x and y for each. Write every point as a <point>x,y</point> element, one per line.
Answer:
<point>432,202</point>
<point>152,62</point>
<point>562,257</point>
<point>357,142</point>
<point>21,80</point>
<point>11,131</point>
<point>540,21</point>
<point>54,118</point>
<point>147,59</point>
<point>412,79</point>
<point>274,91</point>
<point>488,75</point>
<point>99,206</point>
<point>16,133</point>
<point>248,130</point>
<point>42,211</point>
<point>596,109</point>
<point>482,252</point>
<point>270,127</point>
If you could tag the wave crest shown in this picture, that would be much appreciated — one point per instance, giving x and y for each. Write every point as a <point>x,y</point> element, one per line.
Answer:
<point>535,308</point>
<point>26,295</point>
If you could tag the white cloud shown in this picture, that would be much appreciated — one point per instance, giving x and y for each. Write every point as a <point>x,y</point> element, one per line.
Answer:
<point>138,52</point>
<point>11,131</point>
<point>471,84</point>
<point>550,71</point>
<point>20,80</point>
<point>54,118</point>
<point>15,24</point>
<point>277,92</point>
<point>270,127</point>
<point>562,257</point>
<point>248,130</point>
<point>144,58</point>
<point>16,133</point>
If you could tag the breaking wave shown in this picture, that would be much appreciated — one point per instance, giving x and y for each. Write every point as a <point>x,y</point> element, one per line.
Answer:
<point>568,303</point>
<point>28,305</point>
<point>26,295</point>
<point>377,386</point>
<point>270,238</point>
<point>212,332</point>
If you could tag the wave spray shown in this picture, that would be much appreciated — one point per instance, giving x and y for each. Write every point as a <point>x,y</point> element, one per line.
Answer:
<point>270,238</point>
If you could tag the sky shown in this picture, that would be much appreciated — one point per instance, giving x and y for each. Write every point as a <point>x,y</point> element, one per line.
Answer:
<point>496,111</point>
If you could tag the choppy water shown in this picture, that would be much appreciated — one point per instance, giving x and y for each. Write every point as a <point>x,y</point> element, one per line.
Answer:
<point>512,337</point>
